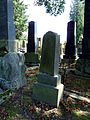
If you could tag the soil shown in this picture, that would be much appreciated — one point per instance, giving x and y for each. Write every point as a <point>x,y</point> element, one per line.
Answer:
<point>21,106</point>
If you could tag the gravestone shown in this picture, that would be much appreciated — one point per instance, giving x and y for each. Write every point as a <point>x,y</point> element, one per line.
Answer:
<point>32,38</point>
<point>70,45</point>
<point>83,63</point>
<point>31,57</point>
<point>24,46</point>
<point>39,43</point>
<point>49,88</point>
<point>7,27</point>
<point>12,67</point>
<point>86,35</point>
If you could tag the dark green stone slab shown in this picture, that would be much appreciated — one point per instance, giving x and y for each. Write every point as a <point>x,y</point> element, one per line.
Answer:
<point>50,54</point>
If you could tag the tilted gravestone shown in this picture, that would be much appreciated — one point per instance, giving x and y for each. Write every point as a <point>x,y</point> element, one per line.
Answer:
<point>49,88</point>
<point>7,27</point>
<point>31,57</point>
<point>70,45</point>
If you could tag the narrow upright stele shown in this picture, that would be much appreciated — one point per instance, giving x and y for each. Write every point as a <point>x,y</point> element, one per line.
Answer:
<point>7,28</point>
<point>86,35</point>
<point>32,37</point>
<point>49,88</point>
<point>31,57</point>
<point>70,45</point>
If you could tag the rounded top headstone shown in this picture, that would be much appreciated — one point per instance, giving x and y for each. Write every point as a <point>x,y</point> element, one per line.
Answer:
<point>50,53</point>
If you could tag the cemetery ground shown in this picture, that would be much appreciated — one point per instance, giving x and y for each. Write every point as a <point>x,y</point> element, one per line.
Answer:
<point>21,106</point>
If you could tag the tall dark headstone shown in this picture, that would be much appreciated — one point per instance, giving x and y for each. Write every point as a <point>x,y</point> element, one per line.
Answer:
<point>83,63</point>
<point>31,57</point>
<point>49,88</point>
<point>32,38</point>
<point>70,45</point>
<point>86,35</point>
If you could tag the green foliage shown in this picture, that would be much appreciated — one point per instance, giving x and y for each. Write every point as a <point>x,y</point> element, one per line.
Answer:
<point>5,95</point>
<point>81,115</point>
<point>80,22</point>
<point>20,18</point>
<point>73,10</point>
<point>54,7</point>
<point>77,15</point>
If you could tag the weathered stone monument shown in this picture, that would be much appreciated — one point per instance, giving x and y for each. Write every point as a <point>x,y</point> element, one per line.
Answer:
<point>7,27</point>
<point>70,45</point>
<point>12,68</point>
<point>49,88</point>
<point>31,57</point>
<point>83,63</point>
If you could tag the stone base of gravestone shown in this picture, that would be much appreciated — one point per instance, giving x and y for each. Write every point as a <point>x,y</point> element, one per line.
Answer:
<point>69,57</point>
<point>48,89</point>
<point>48,79</point>
<point>48,94</point>
<point>12,71</point>
<point>68,61</point>
<point>83,67</point>
<point>11,46</point>
<point>31,58</point>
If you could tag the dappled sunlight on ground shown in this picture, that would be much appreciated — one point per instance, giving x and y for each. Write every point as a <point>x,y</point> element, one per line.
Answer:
<point>21,106</point>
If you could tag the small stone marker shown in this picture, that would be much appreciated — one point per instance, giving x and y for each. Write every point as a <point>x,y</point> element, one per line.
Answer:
<point>49,88</point>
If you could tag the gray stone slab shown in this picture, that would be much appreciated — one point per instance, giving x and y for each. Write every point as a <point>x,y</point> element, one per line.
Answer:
<point>48,79</point>
<point>12,71</point>
<point>7,27</point>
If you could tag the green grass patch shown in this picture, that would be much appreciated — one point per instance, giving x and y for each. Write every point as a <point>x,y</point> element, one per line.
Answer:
<point>82,115</point>
<point>12,111</point>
